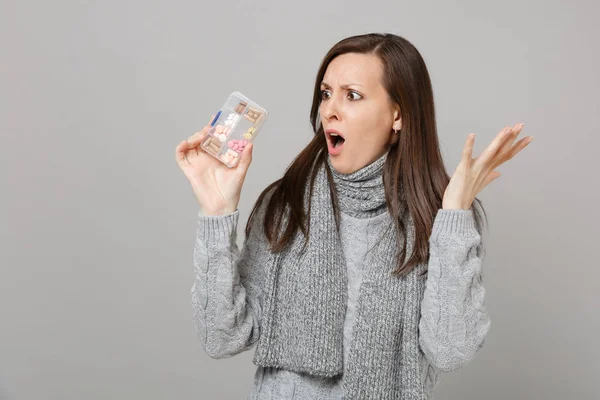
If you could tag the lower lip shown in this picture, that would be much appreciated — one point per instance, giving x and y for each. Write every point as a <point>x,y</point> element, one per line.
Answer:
<point>334,150</point>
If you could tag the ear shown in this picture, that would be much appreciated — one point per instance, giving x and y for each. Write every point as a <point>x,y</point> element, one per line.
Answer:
<point>397,124</point>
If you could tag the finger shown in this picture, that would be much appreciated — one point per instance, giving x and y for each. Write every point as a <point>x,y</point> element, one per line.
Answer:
<point>197,137</point>
<point>520,145</point>
<point>203,132</point>
<point>192,142</point>
<point>189,144</point>
<point>492,149</point>
<point>210,121</point>
<point>246,157</point>
<point>491,176</point>
<point>508,143</point>
<point>467,154</point>
<point>508,150</point>
<point>180,151</point>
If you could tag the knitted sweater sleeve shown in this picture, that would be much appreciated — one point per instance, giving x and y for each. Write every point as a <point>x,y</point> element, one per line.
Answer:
<point>454,321</point>
<point>226,293</point>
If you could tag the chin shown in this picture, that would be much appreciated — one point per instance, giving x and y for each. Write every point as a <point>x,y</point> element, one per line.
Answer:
<point>341,166</point>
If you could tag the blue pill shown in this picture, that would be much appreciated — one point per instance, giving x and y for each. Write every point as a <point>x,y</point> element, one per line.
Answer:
<point>216,118</point>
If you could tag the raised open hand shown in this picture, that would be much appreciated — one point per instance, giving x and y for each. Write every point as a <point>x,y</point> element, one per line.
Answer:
<point>473,174</point>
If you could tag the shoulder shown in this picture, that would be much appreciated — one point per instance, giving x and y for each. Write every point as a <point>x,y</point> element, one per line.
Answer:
<point>259,211</point>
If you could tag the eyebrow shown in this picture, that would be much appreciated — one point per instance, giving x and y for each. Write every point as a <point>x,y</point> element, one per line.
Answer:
<point>345,86</point>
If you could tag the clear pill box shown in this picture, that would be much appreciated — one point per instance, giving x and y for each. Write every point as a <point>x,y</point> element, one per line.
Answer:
<point>235,125</point>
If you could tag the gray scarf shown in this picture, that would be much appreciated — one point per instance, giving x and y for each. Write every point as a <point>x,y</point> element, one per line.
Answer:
<point>306,298</point>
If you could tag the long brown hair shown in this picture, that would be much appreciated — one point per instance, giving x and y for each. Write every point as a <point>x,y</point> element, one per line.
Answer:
<point>414,162</point>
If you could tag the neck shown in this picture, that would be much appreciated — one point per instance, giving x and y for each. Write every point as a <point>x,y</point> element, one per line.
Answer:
<point>361,193</point>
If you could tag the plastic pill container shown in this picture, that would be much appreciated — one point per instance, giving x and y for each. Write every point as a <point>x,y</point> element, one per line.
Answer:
<point>235,125</point>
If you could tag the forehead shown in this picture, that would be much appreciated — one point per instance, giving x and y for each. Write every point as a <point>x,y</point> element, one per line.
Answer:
<point>354,68</point>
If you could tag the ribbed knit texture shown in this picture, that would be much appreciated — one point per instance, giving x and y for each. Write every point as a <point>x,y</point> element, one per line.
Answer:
<point>361,193</point>
<point>438,321</point>
<point>304,312</point>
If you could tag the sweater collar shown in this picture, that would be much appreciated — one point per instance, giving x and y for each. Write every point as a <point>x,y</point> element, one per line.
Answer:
<point>361,193</point>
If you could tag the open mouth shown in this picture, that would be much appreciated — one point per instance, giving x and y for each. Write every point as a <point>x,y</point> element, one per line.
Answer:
<point>336,140</point>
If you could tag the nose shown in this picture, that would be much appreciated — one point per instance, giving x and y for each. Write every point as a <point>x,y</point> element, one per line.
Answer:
<point>330,109</point>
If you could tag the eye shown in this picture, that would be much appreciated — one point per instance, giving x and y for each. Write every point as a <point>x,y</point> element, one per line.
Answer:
<point>353,96</point>
<point>353,92</point>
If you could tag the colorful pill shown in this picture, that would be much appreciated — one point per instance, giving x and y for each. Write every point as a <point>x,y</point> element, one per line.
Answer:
<point>241,107</point>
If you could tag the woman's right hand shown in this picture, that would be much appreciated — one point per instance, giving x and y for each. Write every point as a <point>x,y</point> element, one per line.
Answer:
<point>216,186</point>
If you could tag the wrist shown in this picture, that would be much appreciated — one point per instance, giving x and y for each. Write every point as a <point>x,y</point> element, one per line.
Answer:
<point>217,212</point>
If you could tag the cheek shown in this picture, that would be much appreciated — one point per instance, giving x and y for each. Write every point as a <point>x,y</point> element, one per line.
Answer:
<point>371,132</point>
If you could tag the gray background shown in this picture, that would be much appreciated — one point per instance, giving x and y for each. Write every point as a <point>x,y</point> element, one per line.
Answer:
<point>98,223</point>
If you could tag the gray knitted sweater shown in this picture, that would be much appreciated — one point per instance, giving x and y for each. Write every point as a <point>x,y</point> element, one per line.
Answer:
<point>227,299</point>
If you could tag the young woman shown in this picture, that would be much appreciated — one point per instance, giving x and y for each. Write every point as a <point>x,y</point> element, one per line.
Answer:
<point>360,276</point>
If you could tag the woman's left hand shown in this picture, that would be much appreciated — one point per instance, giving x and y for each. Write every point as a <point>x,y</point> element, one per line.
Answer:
<point>473,174</point>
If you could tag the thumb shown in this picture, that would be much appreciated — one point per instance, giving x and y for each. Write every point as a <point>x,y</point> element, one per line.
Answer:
<point>246,157</point>
<point>492,176</point>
